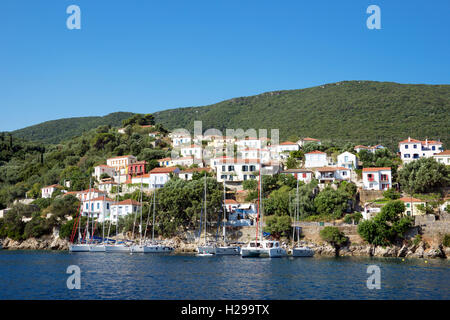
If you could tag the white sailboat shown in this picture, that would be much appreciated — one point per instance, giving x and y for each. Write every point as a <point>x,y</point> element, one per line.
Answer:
<point>299,251</point>
<point>226,249</point>
<point>80,246</point>
<point>116,246</point>
<point>262,247</point>
<point>100,247</point>
<point>206,249</point>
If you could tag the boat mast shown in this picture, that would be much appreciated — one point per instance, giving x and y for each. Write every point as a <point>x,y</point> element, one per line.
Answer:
<point>140,224</point>
<point>154,212</point>
<point>89,210</point>
<point>103,222</point>
<point>224,212</point>
<point>206,220</point>
<point>297,217</point>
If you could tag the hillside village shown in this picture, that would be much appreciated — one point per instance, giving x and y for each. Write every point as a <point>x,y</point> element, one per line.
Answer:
<point>338,184</point>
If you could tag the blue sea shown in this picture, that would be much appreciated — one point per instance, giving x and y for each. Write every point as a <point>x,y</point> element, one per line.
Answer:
<point>42,275</point>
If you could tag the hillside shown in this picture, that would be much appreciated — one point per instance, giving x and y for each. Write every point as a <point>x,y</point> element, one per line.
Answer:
<point>56,131</point>
<point>351,111</point>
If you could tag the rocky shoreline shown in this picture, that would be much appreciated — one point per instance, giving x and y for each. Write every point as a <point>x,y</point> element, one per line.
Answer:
<point>421,250</point>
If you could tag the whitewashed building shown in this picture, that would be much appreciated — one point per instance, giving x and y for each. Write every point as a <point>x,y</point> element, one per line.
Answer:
<point>192,150</point>
<point>316,159</point>
<point>377,178</point>
<point>303,175</point>
<point>46,192</point>
<point>104,169</point>
<point>347,160</point>
<point>412,149</point>
<point>443,157</point>
<point>331,174</point>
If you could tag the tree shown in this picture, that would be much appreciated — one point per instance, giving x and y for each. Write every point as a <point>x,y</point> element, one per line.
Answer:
<point>278,226</point>
<point>333,236</point>
<point>292,163</point>
<point>330,202</point>
<point>424,175</point>
<point>278,202</point>
<point>391,194</point>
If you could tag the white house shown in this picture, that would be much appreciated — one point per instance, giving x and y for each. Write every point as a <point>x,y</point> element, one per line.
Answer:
<point>122,209</point>
<point>330,174</point>
<point>255,153</point>
<point>347,160</point>
<point>251,142</point>
<point>184,161</point>
<point>103,169</point>
<point>412,206</point>
<point>97,208</point>
<point>47,191</point>
<point>412,149</point>
<point>443,157</point>
<point>87,194</point>
<point>316,159</point>
<point>303,175</point>
<point>179,139</point>
<point>165,162</point>
<point>192,150</point>
<point>160,176</point>
<point>287,146</point>
<point>377,178</point>
<point>371,149</point>
<point>107,186</point>
<point>229,169</point>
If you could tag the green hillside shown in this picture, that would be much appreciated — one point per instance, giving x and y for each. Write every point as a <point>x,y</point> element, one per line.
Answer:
<point>364,112</point>
<point>56,131</point>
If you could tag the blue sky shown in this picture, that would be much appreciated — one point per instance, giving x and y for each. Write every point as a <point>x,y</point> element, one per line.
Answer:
<point>144,56</point>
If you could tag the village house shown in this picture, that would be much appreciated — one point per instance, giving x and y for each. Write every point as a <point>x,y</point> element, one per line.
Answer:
<point>160,176</point>
<point>165,162</point>
<point>185,161</point>
<point>412,206</point>
<point>287,147</point>
<point>316,159</point>
<point>240,214</point>
<point>107,186</point>
<point>104,169</point>
<point>120,165</point>
<point>192,150</point>
<point>251,142</point>
<point>371,149</point>
<point>230,169</point>
<point>46,192</point>
<point>87,194</point>
<point>97,207</point>
<point>188,173</point>
<point>347,160</point>
<point>122,209</point>
<point>254,153</point>
<point>136,169</point>
<point>179,139</point>
<point>331,174</point>
<point>443,157</point>
<point>377,178</point>
<point>303,175</point>
<point>412,149</point>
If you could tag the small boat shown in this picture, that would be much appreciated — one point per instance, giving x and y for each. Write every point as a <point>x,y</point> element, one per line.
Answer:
<point>205,254</point>
<point>207,248</point>
<point>302,252</point>
<point>97,248</point>
<point>228,250</point>
<point>265,248</point>
<point>80,247</point>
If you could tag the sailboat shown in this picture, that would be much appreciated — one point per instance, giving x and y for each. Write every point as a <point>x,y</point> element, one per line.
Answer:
<point>226,249</point>
<point>262,247</point>
<point>116,246</point>
<point>100,247</point>
<point>299,251</point>
<point>207,249</point>
<point>80,246</point>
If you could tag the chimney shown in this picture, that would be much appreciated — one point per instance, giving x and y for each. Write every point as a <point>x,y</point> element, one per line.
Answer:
<point>426,142</point>
<point>409,139</point>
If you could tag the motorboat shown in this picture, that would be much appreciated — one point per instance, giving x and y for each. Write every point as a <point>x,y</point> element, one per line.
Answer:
<point>264,248</point>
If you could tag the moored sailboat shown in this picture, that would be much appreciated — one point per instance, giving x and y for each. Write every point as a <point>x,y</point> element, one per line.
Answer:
<point>297,250</point>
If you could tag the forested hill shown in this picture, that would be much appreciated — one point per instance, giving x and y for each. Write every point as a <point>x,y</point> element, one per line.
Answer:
<point>56,131</point>
<point>364,112</point>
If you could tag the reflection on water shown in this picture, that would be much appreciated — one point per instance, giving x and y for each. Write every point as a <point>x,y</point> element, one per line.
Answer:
<point>42,275</point>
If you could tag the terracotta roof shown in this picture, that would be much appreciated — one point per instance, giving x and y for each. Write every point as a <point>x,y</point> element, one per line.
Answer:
<point>100,199</point>
<point>53,186</point>
<point>360,147</point>
<point>420,141</point>
<point>376,169</point>
<point>104,166</point>
<point>108,182</point>
<point>316,152</point>
<point>233,160</point>
<point>184,158</point>
<point>325,169</point>
<point>410,199</point>
<point>121,157</point>
<point>163,170</point>
<point>287,143</point>
<point>295,170</point>
<point>129,202</point>
<point>310,139</point>
<point>231,201</point>
<point>443,153</point>
<point>165,159</point>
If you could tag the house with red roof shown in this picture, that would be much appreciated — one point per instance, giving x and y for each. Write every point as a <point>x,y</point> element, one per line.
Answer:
<point>412,149</point>
<point>412,206</point>
<point>377,178</point>
<point>331,174</point>
<point>46,192</point>
<point>287,147</point>
<point>443,157</point>
<point>302,142</point>
<point>316,159</point>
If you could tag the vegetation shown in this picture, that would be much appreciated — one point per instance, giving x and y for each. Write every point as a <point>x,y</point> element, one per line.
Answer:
<point>376,112</point>
<point>424,175</point>
<point>278,226</point>
<point>446,240</point>
<point>387,226</point>
<point>333,236</point>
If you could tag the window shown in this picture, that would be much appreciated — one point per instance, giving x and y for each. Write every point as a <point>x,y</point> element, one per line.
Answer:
<point>230,168</point>
<point>244,168</point>
<point>98,205</point>
<point>344,173</point>
<point>433,148</point>
<point>415,146</point>
<point>87,206</point>
<point>304,175</point>
<point>223,168</point>
<point>252,168</point>
<point>107,206</point>
<point>406,146</point>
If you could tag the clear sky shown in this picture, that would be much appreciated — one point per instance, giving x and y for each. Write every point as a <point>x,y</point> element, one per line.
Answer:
<point>148,55</point>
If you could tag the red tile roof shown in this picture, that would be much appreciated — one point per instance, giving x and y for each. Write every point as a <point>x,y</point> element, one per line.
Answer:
<point>316,152</point>
<point>163,170</point>
<point>326,169</point>
<point>231,201</point>
<point>410,199</point>
<point>129,202</point>
<point>101,199</point>
<point>376,169</point>
<point>420,141</point>
<point>443,153</point>
<point>310,139</point>
<point>287,143</point>
<point>189,170</point>
<point>53,186</point>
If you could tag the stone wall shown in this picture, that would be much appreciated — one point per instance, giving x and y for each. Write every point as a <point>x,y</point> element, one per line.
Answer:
<point>369,195</point>
<point>433,228</point>
<point>311,231</point>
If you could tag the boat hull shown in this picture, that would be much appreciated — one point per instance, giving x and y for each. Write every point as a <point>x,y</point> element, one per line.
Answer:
<point>263,252</point>
<point>117,248</point>
<point>97,248</point>
<point>79,248</point>
<point>151,249</point>
<point>228,250</point>
<point>206,249</point>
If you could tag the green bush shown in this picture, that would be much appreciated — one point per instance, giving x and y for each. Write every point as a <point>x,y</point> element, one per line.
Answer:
<point>333,236</point>
<point>391,194</point>
<point>446,241</point>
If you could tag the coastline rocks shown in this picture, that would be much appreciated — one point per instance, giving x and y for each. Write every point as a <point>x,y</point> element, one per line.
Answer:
<point>36,244</point>
<point>385,252</point>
